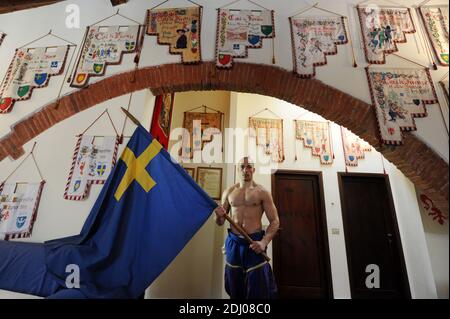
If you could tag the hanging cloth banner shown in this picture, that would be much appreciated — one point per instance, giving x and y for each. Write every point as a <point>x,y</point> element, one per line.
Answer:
<point>269,135</point>
<point>18,209</point>
<point>317,136</point>
<point>239,30</point>
<point>162,118</point>
<point>2,36</point>
<point>180,29</point>
<point>91,164</point>
<point>313,39</point>
<point>381,29</point>
<point>102,46</point>
<point>435,19</point>
<point>354,147</point>
<point>399,95</point>
<point>444,86</point>
<point>195,123</point>
<point>30,68</point>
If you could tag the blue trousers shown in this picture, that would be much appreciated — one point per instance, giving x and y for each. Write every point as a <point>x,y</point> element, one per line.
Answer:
<point>247,274</point>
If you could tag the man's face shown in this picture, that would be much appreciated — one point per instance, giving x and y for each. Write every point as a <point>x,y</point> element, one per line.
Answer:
<point>247,169</point>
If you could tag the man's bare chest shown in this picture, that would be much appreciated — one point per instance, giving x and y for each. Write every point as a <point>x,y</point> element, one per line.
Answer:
<point>245,197</point>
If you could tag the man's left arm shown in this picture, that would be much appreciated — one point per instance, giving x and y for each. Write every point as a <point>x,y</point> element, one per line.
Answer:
<point>274,223</point>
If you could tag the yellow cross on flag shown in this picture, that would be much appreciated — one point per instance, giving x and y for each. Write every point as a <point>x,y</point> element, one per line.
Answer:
<point>136,169</point>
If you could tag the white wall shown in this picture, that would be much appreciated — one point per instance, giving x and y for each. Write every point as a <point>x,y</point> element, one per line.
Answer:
<point>22,28</point>
<point>58,218</point>
<point>437,241</point>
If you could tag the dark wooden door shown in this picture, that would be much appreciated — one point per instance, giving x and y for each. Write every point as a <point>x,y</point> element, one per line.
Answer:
<point>300,249</point>
<point>372,238</point>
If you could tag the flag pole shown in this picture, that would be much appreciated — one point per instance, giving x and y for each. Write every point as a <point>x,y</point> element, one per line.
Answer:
<point>131,117</point>
<point>243,233</point>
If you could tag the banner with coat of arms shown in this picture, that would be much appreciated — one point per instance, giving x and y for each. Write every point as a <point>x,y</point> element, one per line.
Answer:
<point>102,46</point>
<point>354,147</point>
<point>316,136</point>
<point>313,38</point>
<point>92,164</point>
<point>180,29</point>
<point>18,209</point>
<point>399,95</point>
<point>30,68</point>
<point>195,123</point>
<point>162,118</point>
<point>269,135</point>
<point>436,23</point>
<point>382,28</point>
<point>239,30</point>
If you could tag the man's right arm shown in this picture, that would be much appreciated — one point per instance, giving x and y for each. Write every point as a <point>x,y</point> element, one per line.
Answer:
<point>223,209</point>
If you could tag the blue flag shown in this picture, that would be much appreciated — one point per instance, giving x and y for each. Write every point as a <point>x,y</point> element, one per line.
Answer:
<point>147,211</point>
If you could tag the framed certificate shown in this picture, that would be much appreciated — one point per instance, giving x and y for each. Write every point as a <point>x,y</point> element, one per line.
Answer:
<point>190,171</point>
<point>210,179</point>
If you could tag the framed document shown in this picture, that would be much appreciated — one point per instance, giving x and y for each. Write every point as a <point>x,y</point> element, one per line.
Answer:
<point>210,179</point>
<point>190,171</point>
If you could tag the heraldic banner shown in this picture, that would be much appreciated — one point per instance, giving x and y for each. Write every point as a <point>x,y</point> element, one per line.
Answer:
<point>313,39</point>
<point>195,124</point>
<point>18,209</point>
<point>239,30</point>
<point>399,95</point>
<point>180,29</point>
<point>269,135</point>
<point>102,46</point>
<point>30,68</point>
<point>435,19</point>
<point>316,136</point>
<point>162,118</point>
<point>91,164</point>
<point>381,29</point>
<point>354,147</point>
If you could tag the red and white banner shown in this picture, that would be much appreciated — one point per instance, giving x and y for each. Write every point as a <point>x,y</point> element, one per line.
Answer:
<point>399,95</point>
<point>30,68</point>
<point>92,163</point>
<point>102,46</point>
<point>18,209</point>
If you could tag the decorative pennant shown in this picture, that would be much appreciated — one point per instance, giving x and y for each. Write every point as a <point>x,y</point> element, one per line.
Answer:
<point>316,136</point>
<point>313,39</point>
<point>354,147</point>
<point>180,29</point>
<point>2,36</point>
<point>30,68</point>
<point>18,209</point>
<point>382,29</point>
<point>435,19</point>
<point>239,30</point>
<point>91,164</point>
<point>194,124</point>
<point>399,95</point>
<point>162,118</point>
<point>269,135</point>
<point>432,210</point>
<point>102,46</point>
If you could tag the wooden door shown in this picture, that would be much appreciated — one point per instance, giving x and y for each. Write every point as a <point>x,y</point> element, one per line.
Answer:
<point>300,249</point>
<point>372,238</point>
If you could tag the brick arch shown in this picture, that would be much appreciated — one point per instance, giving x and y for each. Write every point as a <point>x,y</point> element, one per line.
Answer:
<point>427,170</point>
